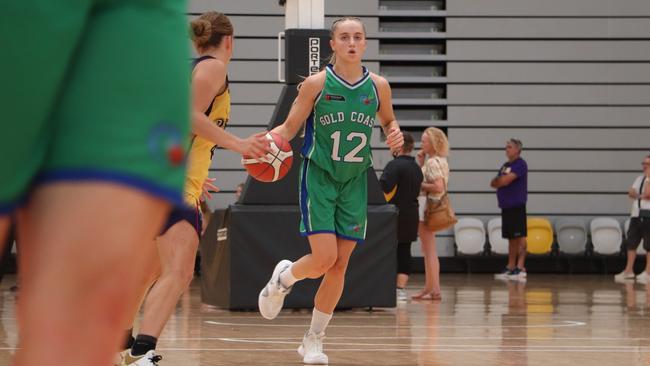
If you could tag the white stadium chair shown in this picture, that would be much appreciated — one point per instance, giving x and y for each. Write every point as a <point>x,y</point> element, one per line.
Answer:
<point>572,235</point>
<point>470,236</point>
<point>606,235</point>
<point>498,244</point>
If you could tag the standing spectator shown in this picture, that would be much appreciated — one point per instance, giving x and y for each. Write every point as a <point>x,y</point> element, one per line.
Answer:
<point>401,182</point>
<point>639,224</point>
<point>512,193</point>
<point>435,169</point>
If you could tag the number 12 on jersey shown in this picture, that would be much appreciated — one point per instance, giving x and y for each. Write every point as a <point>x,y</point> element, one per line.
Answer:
<point>350,157</point>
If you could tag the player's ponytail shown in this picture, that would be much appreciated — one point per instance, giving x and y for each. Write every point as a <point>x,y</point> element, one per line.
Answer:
<point>208,30</point>
<point>332,60</point>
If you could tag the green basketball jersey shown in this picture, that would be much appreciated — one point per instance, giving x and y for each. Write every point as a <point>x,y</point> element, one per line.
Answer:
<point>337,133</point>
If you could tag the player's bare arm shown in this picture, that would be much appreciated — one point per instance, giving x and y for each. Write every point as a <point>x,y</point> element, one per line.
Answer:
<point>208,80</point>
<point>386,115</point>
<point>302,106</point>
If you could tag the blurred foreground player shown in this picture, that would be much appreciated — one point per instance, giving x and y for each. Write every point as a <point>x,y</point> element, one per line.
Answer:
<point>95,119</point>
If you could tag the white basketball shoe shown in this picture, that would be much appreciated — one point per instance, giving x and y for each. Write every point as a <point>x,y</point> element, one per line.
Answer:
<point>271,297</point>
<point>311,349</point>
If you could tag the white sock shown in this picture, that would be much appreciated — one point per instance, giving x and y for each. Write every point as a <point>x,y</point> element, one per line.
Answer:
<point>286,278</point>
<point>319,321</point>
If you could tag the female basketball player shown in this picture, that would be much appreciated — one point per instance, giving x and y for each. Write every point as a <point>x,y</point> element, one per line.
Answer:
<point>212,35</point>
<point>340,105</point>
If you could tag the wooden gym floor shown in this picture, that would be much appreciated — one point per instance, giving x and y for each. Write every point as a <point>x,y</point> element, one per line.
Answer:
<point>549,320</point>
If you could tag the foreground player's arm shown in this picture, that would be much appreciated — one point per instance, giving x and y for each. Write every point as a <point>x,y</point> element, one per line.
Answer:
<point>386,115</point>
<point>302,107</point>
<point>208,80</point>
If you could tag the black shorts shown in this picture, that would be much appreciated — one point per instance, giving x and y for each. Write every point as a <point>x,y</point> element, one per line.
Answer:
<point>191,214</point>
<point>513,222</point>
<point>639,229</point>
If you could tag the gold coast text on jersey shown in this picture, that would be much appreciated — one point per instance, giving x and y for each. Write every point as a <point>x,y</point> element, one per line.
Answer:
<point>357,117</point>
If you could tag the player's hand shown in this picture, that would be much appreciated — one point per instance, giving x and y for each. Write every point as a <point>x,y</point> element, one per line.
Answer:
<point>282,131</point>
<point>420,156</point>
<point>395,139</point>
<point>633,193</point>
<point>255,146</point>
<point>207,187</point>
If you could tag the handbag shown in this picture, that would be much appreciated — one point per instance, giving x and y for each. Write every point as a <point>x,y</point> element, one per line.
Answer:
<point>438,214</point>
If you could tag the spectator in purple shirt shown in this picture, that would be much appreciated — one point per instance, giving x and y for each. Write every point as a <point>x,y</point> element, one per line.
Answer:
<point>512,193</point>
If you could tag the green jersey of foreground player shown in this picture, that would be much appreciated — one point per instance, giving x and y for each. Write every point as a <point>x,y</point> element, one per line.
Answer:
<point>340,105</point>
<point>95,106</point>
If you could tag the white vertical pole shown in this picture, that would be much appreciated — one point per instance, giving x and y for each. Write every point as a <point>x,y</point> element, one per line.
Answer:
<point>304,14</point>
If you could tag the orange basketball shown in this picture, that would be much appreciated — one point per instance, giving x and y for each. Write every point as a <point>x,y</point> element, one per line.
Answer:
<point>274,165</point>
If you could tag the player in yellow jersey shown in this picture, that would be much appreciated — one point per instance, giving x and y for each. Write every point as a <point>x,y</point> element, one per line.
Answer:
<point>212,34</point>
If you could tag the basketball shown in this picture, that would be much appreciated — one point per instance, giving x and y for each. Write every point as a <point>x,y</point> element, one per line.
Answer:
<point>274,165</point>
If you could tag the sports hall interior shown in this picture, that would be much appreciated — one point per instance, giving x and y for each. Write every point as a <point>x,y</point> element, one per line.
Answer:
<point>570,79</point>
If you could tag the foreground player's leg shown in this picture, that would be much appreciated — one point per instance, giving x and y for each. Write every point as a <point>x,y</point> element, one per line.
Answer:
<point>116,120</point>
<point>80,286</point>
<point>177,250</point>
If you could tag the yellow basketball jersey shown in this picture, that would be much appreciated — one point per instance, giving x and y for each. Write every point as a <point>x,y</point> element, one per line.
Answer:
<point>201,150</point>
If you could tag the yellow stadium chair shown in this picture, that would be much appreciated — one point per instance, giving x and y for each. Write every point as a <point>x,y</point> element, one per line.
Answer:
<point>540,235</point>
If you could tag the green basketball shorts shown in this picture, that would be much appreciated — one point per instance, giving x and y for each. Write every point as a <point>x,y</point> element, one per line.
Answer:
<point>93,90</point>
<point>328,206</point>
